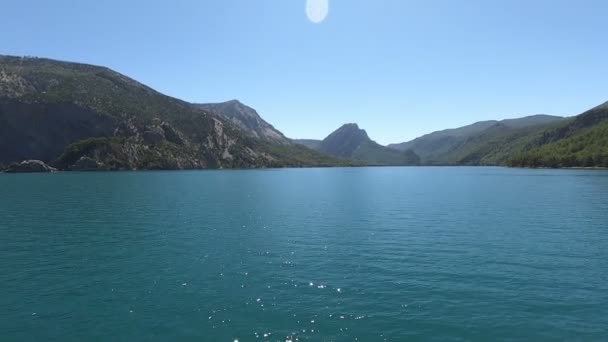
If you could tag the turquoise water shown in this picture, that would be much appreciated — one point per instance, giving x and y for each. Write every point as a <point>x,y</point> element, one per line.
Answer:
<point>367,254</point>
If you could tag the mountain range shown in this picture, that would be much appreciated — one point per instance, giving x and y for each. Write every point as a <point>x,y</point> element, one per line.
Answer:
<point>82,117</point>
<point>534,141</point>
<point>77,116</point>
<point>460,145</point>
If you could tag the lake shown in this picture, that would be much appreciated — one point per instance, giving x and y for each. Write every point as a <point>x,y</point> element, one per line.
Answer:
<point>343,254</point>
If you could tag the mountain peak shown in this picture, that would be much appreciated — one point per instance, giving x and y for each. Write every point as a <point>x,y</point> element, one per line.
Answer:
<point>350,141</point>
<point>235,102</point>
<point>352,129</point>
<point>246,118</point>
<point>351,125</point>
<point>345,140</point>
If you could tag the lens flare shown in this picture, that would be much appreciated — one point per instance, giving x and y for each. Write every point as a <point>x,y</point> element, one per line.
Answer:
<point>317,10</point>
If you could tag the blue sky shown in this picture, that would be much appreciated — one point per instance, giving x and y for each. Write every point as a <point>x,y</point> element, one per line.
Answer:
<point>399,68</point>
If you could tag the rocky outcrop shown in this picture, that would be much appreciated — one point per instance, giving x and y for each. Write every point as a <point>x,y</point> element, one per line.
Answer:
<point>172,135</point>
<point>247,119</point>
<point>30,166</point>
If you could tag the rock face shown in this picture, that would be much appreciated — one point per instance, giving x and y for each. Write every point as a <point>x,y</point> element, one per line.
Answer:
<point>172,135</point>
<point>30,166</point>
<point>247,119</point>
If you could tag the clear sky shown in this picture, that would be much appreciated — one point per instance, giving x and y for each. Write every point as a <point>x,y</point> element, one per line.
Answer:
<point>399,68</point>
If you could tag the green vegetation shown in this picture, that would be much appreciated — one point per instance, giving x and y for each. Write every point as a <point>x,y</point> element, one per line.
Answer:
<point>538,141</point>
<point>84,147</point>
<point>372,153</point>
<point>492,146</point>
<point>585,148</point>
<point>482,143</point>
<point>301,156</point>
<point>580,142</point>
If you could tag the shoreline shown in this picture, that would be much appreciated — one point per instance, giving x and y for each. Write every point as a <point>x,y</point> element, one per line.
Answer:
<point>313,167</point>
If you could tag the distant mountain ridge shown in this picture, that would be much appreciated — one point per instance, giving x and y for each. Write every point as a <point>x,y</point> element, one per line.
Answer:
<point>349,141</point>
<point>450,146</point>
<point>535,141</point>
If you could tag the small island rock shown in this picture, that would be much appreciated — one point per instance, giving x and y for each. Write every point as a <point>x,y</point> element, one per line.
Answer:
<point>30,166</point>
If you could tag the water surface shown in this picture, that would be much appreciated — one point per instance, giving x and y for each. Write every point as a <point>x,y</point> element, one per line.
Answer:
<point>367,254</point>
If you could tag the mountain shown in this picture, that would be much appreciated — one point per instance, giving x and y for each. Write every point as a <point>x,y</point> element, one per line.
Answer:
<point>535,141</point>
<point>83,116</point>
<point>440,141</point>
<point>460,146</point>
<point>349,141</point>
<point>344,141</point>
<point>247,119</point>
<point>579,142</point>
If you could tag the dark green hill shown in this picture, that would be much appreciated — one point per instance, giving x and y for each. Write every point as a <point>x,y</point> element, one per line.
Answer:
<point>536,141</point>
<point>441,140</point>
<point>469,145</point>
<point>492,146</point>
<point>62,112</point>
<point>580,142</point>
